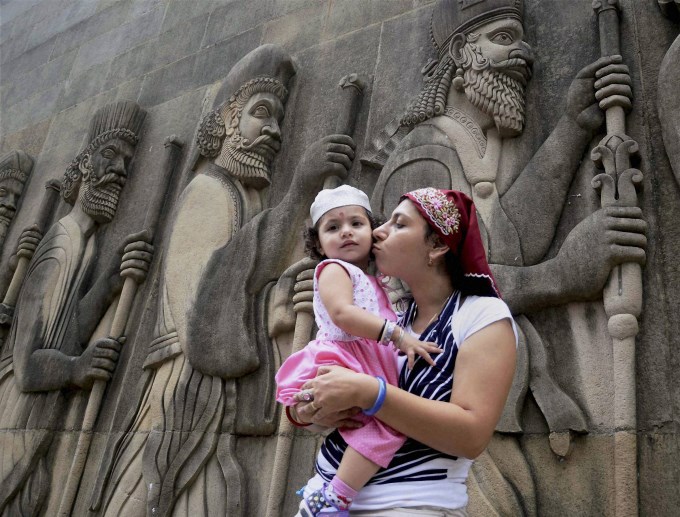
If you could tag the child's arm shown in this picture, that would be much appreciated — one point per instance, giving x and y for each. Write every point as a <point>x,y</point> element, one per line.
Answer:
<point>335,289</point>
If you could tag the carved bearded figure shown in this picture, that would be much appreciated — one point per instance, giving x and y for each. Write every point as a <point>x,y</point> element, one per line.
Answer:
<point>451,137</point>
<point>59,306</point>
<point>210,369</point>
<point>15,167</point>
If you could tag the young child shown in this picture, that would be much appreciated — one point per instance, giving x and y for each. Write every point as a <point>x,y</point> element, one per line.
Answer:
<point>356,324</point>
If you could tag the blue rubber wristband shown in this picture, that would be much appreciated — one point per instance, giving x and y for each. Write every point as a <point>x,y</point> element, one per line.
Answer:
<point>380,400</point>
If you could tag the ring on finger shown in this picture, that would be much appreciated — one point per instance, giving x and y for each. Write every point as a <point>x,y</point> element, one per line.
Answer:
<point>307,395</point>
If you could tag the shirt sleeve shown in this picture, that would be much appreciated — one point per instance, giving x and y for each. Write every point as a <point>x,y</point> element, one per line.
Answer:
<point>477,312</point>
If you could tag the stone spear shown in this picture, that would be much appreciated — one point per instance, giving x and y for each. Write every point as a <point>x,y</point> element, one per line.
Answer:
<point>622,294</point>
<point>45,213</point>
<point>127,296</point>
<point>352,89</point>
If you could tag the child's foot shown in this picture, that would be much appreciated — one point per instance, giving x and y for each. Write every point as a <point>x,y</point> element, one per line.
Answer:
<point>318,503</point>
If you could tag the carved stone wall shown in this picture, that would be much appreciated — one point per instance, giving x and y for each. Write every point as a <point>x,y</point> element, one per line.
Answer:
<point>62,60</point>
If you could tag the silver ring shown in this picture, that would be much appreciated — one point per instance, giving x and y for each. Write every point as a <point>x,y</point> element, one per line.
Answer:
<point>306,396</point>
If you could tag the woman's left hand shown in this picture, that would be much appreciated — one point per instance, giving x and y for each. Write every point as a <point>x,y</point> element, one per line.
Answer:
<point>339,394</point>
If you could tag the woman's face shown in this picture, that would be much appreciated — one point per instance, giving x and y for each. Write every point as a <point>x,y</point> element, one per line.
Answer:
<point>401,248</point>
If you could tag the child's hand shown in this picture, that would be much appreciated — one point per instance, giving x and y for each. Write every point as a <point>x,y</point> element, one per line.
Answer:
<point>410,345</point>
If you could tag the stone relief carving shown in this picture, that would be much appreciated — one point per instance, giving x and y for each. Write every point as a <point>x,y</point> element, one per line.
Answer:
<point>669,103</point>
<point>58,308</point>
<point>15,169</point>
<point>451,136</point>
<point>209,370</point>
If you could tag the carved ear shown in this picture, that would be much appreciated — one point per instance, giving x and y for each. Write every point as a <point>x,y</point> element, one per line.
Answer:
<point>456,48</point>
<point>85,166</point>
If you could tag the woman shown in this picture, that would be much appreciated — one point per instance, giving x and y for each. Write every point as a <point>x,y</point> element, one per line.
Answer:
<point>448,411</point>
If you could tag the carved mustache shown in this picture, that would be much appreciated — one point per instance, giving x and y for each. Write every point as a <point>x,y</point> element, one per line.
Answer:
<point>262,140</point>
<point>516,67</point>
<point>110,177</point>
<point>6,213</point>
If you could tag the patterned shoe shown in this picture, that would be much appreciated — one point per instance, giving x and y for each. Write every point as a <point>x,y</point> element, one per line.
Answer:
<point>317,504</point>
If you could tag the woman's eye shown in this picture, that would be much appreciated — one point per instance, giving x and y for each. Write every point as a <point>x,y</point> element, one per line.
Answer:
<point>502,38</point>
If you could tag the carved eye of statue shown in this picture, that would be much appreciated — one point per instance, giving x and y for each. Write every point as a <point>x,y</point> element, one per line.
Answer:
<point>502,38</point>
<point>261,111</point>
<point>108,153</point>
<point>3,192</point>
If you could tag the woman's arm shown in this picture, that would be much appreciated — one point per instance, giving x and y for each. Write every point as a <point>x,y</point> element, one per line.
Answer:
<point>483,375</point>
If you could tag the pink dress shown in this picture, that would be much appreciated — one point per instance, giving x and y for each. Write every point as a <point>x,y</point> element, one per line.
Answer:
<point>333,346</point>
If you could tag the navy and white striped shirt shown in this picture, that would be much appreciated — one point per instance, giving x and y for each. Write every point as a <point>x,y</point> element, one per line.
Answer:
<point>408,479</point>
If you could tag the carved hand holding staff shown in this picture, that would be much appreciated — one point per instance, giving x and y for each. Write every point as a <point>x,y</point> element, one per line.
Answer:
<point>352,88</point>
<point>29,236</point>
<point>127,296</point>
<point>623,291</point>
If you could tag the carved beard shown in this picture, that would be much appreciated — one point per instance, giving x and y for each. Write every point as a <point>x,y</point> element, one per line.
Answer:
<point>497,94</point>
<point>6,216</point>
<point>248,162</point>
<point>100,198</point>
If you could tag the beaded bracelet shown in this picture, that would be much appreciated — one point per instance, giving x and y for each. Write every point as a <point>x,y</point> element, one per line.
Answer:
<point>293,421</point>
<point>380,400</point>
<point>397,343</point>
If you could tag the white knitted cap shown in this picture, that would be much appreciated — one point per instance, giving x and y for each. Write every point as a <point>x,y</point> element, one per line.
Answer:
<point>344,195</point>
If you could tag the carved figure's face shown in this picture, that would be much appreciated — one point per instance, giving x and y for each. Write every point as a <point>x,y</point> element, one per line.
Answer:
<point>497,66</point>
<point>259,124</point>
<point>104,174</point>
<point>252,144</point>
<point>345,233</point>
<point>401,248</point>
<point>10,191</point>
<point>502,40</point>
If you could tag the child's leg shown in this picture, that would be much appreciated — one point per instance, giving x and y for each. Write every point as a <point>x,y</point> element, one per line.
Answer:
<point>353,473</point>
<point>356,470</point>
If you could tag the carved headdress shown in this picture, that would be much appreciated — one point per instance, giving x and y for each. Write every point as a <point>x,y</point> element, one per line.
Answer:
<point>449,18</point>
<point>267,69</point>
<point>16,165</point>
<point>122,120</point>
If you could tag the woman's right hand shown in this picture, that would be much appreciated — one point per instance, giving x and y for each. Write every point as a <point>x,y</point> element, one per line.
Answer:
<point>339,395</point>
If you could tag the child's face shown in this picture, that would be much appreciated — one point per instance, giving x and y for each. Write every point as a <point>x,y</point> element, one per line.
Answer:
<point>345,233</point>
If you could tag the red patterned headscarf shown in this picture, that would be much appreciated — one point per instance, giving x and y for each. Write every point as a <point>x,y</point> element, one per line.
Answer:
<point>452,215</point>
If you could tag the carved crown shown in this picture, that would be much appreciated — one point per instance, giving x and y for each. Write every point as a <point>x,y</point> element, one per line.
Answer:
<point>16,165</point>
<point>117,120</point>
<point>451,17</point>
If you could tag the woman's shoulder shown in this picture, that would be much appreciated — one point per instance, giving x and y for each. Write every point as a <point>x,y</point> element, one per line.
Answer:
<point>476,312</point>
<point>483,304</point>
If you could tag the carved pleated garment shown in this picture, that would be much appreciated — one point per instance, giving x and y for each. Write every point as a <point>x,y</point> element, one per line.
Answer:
<point>177,453</point>
<point>28,420</point>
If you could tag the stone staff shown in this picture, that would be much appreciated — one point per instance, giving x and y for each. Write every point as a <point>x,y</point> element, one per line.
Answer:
<point>352,89</point>
<point>622,294</point>
<point>127,296</point>
<point>45,213</point>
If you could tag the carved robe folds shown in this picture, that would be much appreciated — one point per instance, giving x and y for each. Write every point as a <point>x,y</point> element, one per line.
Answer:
<point>46,307</point>
<point>190,415</point>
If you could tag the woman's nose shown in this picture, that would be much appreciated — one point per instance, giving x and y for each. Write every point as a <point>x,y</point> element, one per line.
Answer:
<point>379,232</point>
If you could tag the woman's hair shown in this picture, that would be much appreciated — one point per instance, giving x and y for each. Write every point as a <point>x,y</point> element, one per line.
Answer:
<point>311,237</point>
